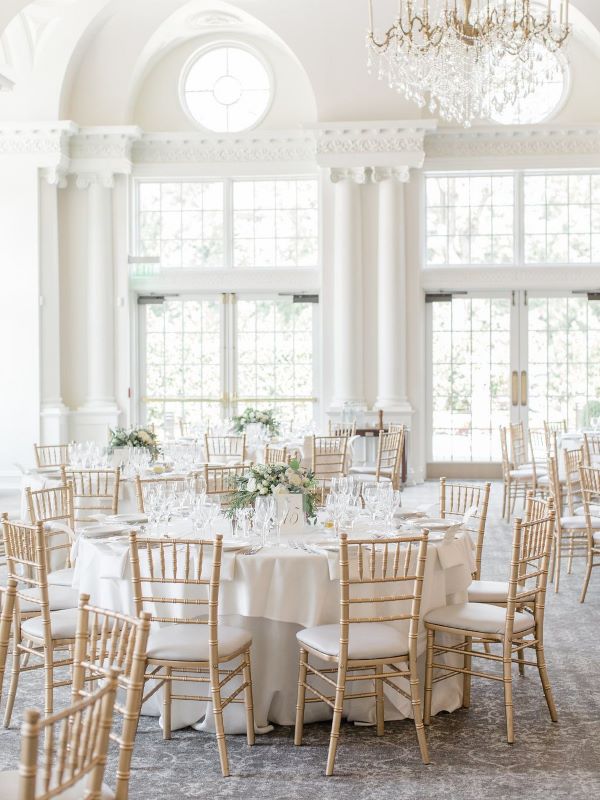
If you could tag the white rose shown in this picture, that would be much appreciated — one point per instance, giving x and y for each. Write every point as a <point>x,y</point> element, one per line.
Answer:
<point>262,490</point>
<point>280,489</point>
<point>295,479</point>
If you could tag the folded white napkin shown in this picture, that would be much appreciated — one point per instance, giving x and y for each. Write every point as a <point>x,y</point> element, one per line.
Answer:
<point>58,527</point>
<point>112,561</point>
<point>450,554</point>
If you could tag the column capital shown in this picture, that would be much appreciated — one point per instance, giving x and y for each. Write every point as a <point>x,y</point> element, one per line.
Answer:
<point>355,174</point>
<point>106,179</point>
<point>398,174</point>
<point>102,151</point>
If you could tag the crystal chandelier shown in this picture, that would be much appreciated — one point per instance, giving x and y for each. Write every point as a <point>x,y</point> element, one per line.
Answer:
<point>466,58</point>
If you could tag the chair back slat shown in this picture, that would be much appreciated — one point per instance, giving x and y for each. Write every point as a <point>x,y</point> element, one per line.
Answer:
<point>217,448</point>
<point>221,480</point>
<point>518,445</point>
<point>342,428</point>
<point>53,505</point>
<point>27,563</point>
<point>94,491</point>
<point>573,459</point>
<point>591,449</point>
<point>456,499</point>
<point>390,449</point>
<point>51,455</point>
<point>328,456</point>
<point>589,478</point>
<point>75,746</point>
<point>276,455</point>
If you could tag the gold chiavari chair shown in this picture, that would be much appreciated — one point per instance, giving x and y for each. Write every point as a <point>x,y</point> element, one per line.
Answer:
<point>591,449</point>
<point>368,640</point>
<point>43,617</point>
<point>53,507</point>
<point>555,427</point>
<point>276,455</point>
<point>106,639</point>
<point>95,491</point>
<point>539,448</point>
<point>517,481</point>
<point>519,452</point>
<point>171,573</point>
<point>342,428</point>
<point>225,449</point>
<point>328,458</point>
<point>74,753</point>
<point>572,460</point>
<point>220,481</point>
<point>514,629</point>
<point>388,466</point>
<point>590,491</point>
<point>145,485</point>
<point>51,455</point>
<point>457,499</point>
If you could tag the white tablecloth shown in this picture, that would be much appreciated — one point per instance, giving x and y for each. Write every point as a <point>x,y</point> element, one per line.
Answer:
<point>273,594</point>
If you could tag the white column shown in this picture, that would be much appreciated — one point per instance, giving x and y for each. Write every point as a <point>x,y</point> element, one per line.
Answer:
<point>348,296</point>
<point>54,413</point>
<point>100,410</point>
<point>391,293</point>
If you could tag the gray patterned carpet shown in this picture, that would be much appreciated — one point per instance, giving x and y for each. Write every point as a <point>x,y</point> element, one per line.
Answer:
<point>470,756</point>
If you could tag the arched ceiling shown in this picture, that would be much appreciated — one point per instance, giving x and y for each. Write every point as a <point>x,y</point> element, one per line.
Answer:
<point>48,43</point>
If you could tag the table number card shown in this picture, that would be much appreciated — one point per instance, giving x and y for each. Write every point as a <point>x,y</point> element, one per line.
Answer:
<point>293,521</point>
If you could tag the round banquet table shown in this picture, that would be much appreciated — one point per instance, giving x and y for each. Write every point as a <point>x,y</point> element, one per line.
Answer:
<point>273,594</point>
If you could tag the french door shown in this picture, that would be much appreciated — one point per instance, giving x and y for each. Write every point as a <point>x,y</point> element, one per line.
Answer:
<point>496,358</point>
<point>206,357</point>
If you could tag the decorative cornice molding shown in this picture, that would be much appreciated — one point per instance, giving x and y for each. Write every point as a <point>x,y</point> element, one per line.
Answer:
<point>371,144</point>
<point>514,142</point>
<point>112,143</point>
<point>157,148</point>
<point>50,140</point>
<point>106,179</point>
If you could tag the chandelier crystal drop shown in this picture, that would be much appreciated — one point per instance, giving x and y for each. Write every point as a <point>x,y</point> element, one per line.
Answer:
<point>464,59</point>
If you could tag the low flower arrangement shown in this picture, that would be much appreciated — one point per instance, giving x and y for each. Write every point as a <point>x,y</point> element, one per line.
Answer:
<point>135,437</point>
<point>265,479</point>
<point>253,416</point>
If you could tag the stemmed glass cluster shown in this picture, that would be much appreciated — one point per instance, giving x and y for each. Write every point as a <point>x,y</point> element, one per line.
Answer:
<point>343,503</point>
<point>382,501</point>
<point>87,455</point>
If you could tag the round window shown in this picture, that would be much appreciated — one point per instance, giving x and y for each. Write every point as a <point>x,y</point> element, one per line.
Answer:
<point>546,99</point>
<point>226,89</point>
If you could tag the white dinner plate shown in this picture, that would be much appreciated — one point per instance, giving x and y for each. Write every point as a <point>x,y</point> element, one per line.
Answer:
<point>231,545</point>
<point>406,513</point>
<point>100,530</point>
<point>127,519</point>
<point>436,524</point>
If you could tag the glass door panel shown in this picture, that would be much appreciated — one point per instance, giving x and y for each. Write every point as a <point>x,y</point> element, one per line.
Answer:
<point>470,376</point>
<point>563,359</point>
<point>182,370</point>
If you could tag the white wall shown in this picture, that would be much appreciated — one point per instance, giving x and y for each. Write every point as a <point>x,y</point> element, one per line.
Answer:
<point>19,313</point>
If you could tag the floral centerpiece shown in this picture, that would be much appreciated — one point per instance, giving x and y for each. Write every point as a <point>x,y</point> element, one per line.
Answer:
<point>265,479</point>
<point>253,416</point>
<point>135,437</point>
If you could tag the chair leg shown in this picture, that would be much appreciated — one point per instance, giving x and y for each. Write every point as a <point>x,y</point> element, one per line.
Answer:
<point>301,697</point>
<point>48,680</point>
<point>167,701</point>
<point>428,677</point>
<point>504,497</point>
<point>521,660</point>
<point>508,700</point>
<point>466,677</point>
<point>571,550</point>
<point>379,704</point>
<point>415,697</point>
<point>248,700</point>
<point>5,626</point>
<point>337,718</point>
<point>586,580</point>
<point>14,678</point>
<point>557,559</point>
<point>218,714</point>
<point>552,558</point>
<point>131,719</point>
<point>541,662</point>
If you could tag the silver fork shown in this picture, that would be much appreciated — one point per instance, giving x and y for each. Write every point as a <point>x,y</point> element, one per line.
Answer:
<point>252,550</point>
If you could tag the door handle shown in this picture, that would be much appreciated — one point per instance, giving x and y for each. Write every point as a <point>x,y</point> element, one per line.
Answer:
<point>523,387</point>
<point>515,388</point>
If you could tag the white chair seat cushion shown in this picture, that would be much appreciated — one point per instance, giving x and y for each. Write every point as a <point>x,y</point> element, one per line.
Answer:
<point>61,577</point>
<point>370,471</point>
<point>365,640</point>
<point>488,592</point>
<point>480,617</point>
<point>63,625</point>
<point>578,522</point>
<point>522,472</point>
<point>190,642</point>
<point>9,783</point>
<point>59,597</point>
<point>594,510</point>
